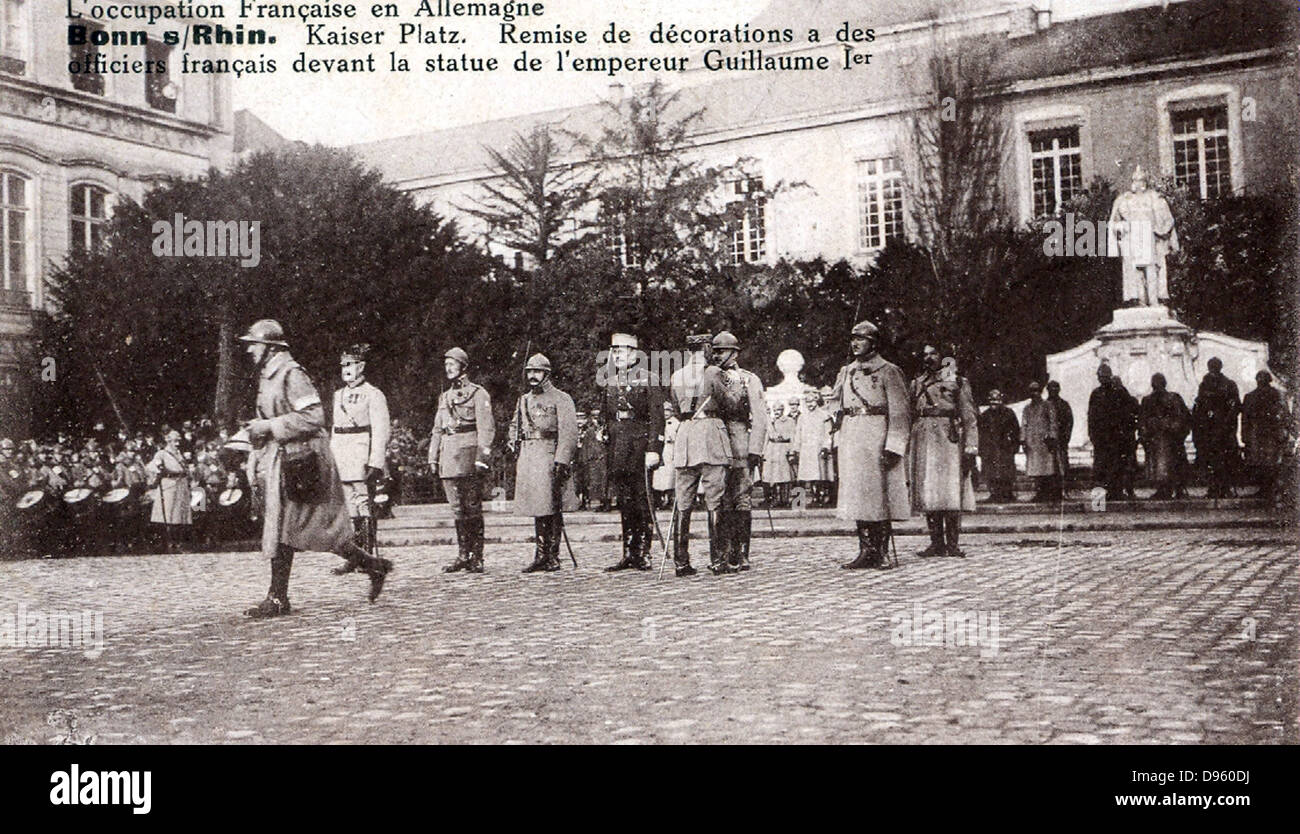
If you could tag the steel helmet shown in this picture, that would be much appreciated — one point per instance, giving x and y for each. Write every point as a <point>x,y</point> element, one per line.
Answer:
<point>865,328</point>
<point>265,332</point>
<point>725,341</point>
<point>538,362</point>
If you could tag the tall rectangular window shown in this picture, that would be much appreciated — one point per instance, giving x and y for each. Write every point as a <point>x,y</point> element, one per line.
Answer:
<point>620,243</point>
<point>158,89</point>
<point>14,222</point>
<point>89,212</point>
<point>82,58</point>
<point>880,202</point>
<point>13,36</point>
<point>1201,159</point>
<point>1056,168</point>
<point>747,221</point>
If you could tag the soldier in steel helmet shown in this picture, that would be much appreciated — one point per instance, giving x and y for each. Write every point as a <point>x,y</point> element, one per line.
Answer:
<point>743,411</point>
<point>302,495</point>
<point>458,454</point>
<point>869,408</point>
<point>359,441</point>
<point>544,434</point>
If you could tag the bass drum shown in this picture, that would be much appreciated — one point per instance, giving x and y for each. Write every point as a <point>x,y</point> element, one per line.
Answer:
<point>234,515</point>
<point>121,518</point>
<point>82,528</point>
<point>36,531</point>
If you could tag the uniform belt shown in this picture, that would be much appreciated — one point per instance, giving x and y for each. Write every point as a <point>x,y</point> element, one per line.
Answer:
<point>542,435</point>
<point>932,411</point>
<point>352,429</point>
<point>867,411</point>
<point>460,429</point>
<point>624,415</point>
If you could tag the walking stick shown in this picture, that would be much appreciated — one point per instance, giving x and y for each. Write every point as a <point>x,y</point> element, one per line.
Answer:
<point>672,532</point>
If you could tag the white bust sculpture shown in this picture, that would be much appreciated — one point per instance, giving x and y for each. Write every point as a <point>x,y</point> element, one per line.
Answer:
<point>789,363</point>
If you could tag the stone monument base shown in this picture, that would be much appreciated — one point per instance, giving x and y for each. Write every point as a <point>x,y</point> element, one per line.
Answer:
<point>1141,341</point>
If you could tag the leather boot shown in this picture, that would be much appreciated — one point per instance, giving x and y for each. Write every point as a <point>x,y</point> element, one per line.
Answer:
<point>934,523</point>
<point>952,529</point>
<point>682,544</point>
<point>627,526</point>
<point>542,533</point>
<point>375,568</point>
<point>743,522</point>
<point>553,543</point>
<point>276,603</point>
<point>866,553</point>
<point>883,533</point>
<point>462,548</point>
<point>475,527</point>
<point>359,532</point>
<point>647,542</point>
<point>720,543</point>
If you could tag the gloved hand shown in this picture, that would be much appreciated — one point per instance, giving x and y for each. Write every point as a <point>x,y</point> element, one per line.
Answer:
<point>373,476</point>
<point>755,461</point>
<point>651,460</point>
<point>888,458</point>
<point>258,429</point>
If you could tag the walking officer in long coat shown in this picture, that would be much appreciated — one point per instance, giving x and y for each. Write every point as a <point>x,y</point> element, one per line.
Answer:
<point>359,441</point>
<point>544,434</point>
<point>869,407</point>
<point>743,409</point>
<point>632,404</point>
<point>458,455</point>
<point>303,507</point>
<point>945,440</point>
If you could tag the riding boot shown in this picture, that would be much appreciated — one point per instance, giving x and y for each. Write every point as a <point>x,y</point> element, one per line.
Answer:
<point>627,527</point>
<point>934,523</point>
<point>647,542</point>
<point>682,544</point>
<point>866,553</point>
<point>359,531</point>
<point>462,548</point>
<point>542,533</point>
<point>277,596</point>
<point>375,568</point>
<point>952,525</point>
<point>718,528</point>
<point>884,536</point>
<point>475,527</point>
<point>740,545</point>
<point>553,538</point>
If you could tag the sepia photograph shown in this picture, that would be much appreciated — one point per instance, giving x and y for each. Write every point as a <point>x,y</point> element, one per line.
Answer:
<point>759,372</point>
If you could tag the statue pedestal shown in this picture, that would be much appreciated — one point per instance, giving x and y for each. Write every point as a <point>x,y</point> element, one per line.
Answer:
<point>1141,341</point>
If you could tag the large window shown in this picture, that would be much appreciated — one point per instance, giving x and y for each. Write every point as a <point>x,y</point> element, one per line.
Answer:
<point>13,36</point>
<point>746,222</point>
<point>158,89</point>
<point>15,210</point>
<point>82,57</point>
<point>89,212</point>
<point>620,243</point>
<point>1201,158</point>
<point>1056,168</point>
<point>880,202</point>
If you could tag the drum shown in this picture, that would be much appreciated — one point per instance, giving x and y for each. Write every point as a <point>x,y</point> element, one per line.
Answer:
<point>36,529</point>
<point>234,518</point>
<point>81,526</point>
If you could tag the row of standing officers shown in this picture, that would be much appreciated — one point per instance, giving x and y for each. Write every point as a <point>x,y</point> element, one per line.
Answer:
<point>900,448</point>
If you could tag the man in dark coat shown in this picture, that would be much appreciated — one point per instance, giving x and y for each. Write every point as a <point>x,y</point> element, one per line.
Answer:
<point>632,405</point>
<point>303,504</point>
<point>1214,428</point>
<point>1112,422</point>
<point>999,440</point>
<point>1064,422</point>
<point>593,453</point>
<point>1163,423</point>
<point>1264,421</point>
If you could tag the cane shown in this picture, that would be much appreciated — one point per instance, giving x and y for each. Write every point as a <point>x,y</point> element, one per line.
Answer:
<point>672,533</point>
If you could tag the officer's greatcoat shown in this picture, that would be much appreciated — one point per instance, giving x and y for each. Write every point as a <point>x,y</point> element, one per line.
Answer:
<point>545,427</point>
<point>776,466</point>
<point>945,427</point>
<point>870,402</point>
<point>171,503</point>
<point>1039,426</point>
<point>811,435</point>
<point>361,430</point>
<point>287,399</point>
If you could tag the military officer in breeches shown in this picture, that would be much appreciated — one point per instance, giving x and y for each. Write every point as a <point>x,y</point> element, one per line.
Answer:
<point>544,434</point>
<point>869,408</point>
<point>744,414</point>
<point>359,441</point>
<point>458,455</point>
<point>701,449</point>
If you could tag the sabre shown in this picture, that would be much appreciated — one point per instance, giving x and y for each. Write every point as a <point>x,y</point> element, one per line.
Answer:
<point>655,518</point>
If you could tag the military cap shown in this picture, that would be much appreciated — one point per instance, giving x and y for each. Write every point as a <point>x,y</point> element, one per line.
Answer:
<point>1035,385</point>
<point>995,396</point>
<point>698,340</point>
<point>265,332</point>
<point>538,362</point>
<point>459,355</point>
<point>865,328</point>
<point>622,340</point>
<point>725,341</point>
<point>355,353</point>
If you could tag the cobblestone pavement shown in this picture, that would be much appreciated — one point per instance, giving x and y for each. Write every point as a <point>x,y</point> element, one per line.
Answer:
<point>1099,637</point>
